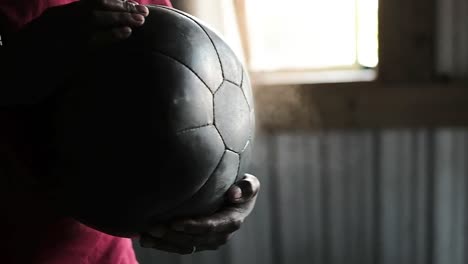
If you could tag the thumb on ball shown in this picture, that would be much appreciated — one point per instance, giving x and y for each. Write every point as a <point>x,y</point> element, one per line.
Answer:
<point>244,190</point>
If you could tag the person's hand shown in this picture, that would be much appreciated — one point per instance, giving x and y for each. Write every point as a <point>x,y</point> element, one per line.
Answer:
<point>80,25</point>
<point>111,20</point>
<point>46,50</point>
<point>207,233</point>
<point>96,22</point>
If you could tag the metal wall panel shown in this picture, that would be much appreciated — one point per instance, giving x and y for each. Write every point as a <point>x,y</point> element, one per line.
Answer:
<point>351,197</point>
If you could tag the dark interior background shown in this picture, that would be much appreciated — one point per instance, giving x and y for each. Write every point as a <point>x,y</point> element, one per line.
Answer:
<point>363,196</point>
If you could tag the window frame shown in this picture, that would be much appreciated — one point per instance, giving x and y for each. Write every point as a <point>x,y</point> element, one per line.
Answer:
<point>354,73</point>
<point>405,93</point>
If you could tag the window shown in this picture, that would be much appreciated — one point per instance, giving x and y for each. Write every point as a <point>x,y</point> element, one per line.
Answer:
<point>311,35</point>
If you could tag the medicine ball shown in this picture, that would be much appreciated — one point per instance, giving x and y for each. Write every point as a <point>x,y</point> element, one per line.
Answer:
<point>153,128</point>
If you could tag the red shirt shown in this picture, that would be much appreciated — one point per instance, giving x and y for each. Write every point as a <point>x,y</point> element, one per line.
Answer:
<point>31,232</point>
<point>20,12</point>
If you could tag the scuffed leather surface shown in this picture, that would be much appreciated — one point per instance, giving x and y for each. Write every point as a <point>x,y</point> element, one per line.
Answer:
<point>134,148</point>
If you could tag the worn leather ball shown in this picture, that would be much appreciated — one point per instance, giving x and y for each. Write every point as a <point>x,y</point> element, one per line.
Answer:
<point>153,128</point>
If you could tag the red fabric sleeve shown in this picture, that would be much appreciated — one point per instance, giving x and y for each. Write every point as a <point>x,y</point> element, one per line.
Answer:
<point>17,13</point>
<point>31,233</point>
<point>156,2</point>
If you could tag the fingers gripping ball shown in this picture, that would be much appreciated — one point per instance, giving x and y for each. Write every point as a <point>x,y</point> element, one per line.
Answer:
<point>152,128</point>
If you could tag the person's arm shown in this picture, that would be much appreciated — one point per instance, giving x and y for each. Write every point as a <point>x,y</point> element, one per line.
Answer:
<point>28,65</point>
<point>210,232</point>
<point>36,58</point>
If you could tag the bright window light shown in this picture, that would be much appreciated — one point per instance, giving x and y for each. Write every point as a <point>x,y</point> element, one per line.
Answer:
<point>312,34</point>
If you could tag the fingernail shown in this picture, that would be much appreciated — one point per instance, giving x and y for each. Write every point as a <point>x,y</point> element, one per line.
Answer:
<point>158,232</point>
<point>138,17</point>
<point>142,9</point>
<point>237,193</point>
<point>124,33</point>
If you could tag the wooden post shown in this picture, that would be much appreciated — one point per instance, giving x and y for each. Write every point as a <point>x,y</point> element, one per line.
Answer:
<point>406,40</point>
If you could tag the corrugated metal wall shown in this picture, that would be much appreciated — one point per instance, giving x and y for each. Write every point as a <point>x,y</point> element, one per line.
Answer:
<point>359,197</point>
<point>452,37</point>
<point>389,197</point>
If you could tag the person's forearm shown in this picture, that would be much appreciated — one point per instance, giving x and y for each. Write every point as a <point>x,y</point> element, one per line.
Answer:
<point>10,77</point>
<point>20,69</point>
<point>33,63</point>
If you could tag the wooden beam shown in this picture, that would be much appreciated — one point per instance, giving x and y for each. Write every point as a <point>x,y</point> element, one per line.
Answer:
<point>361,105</point>
<point>241,16</point>
<point>407,40</point>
